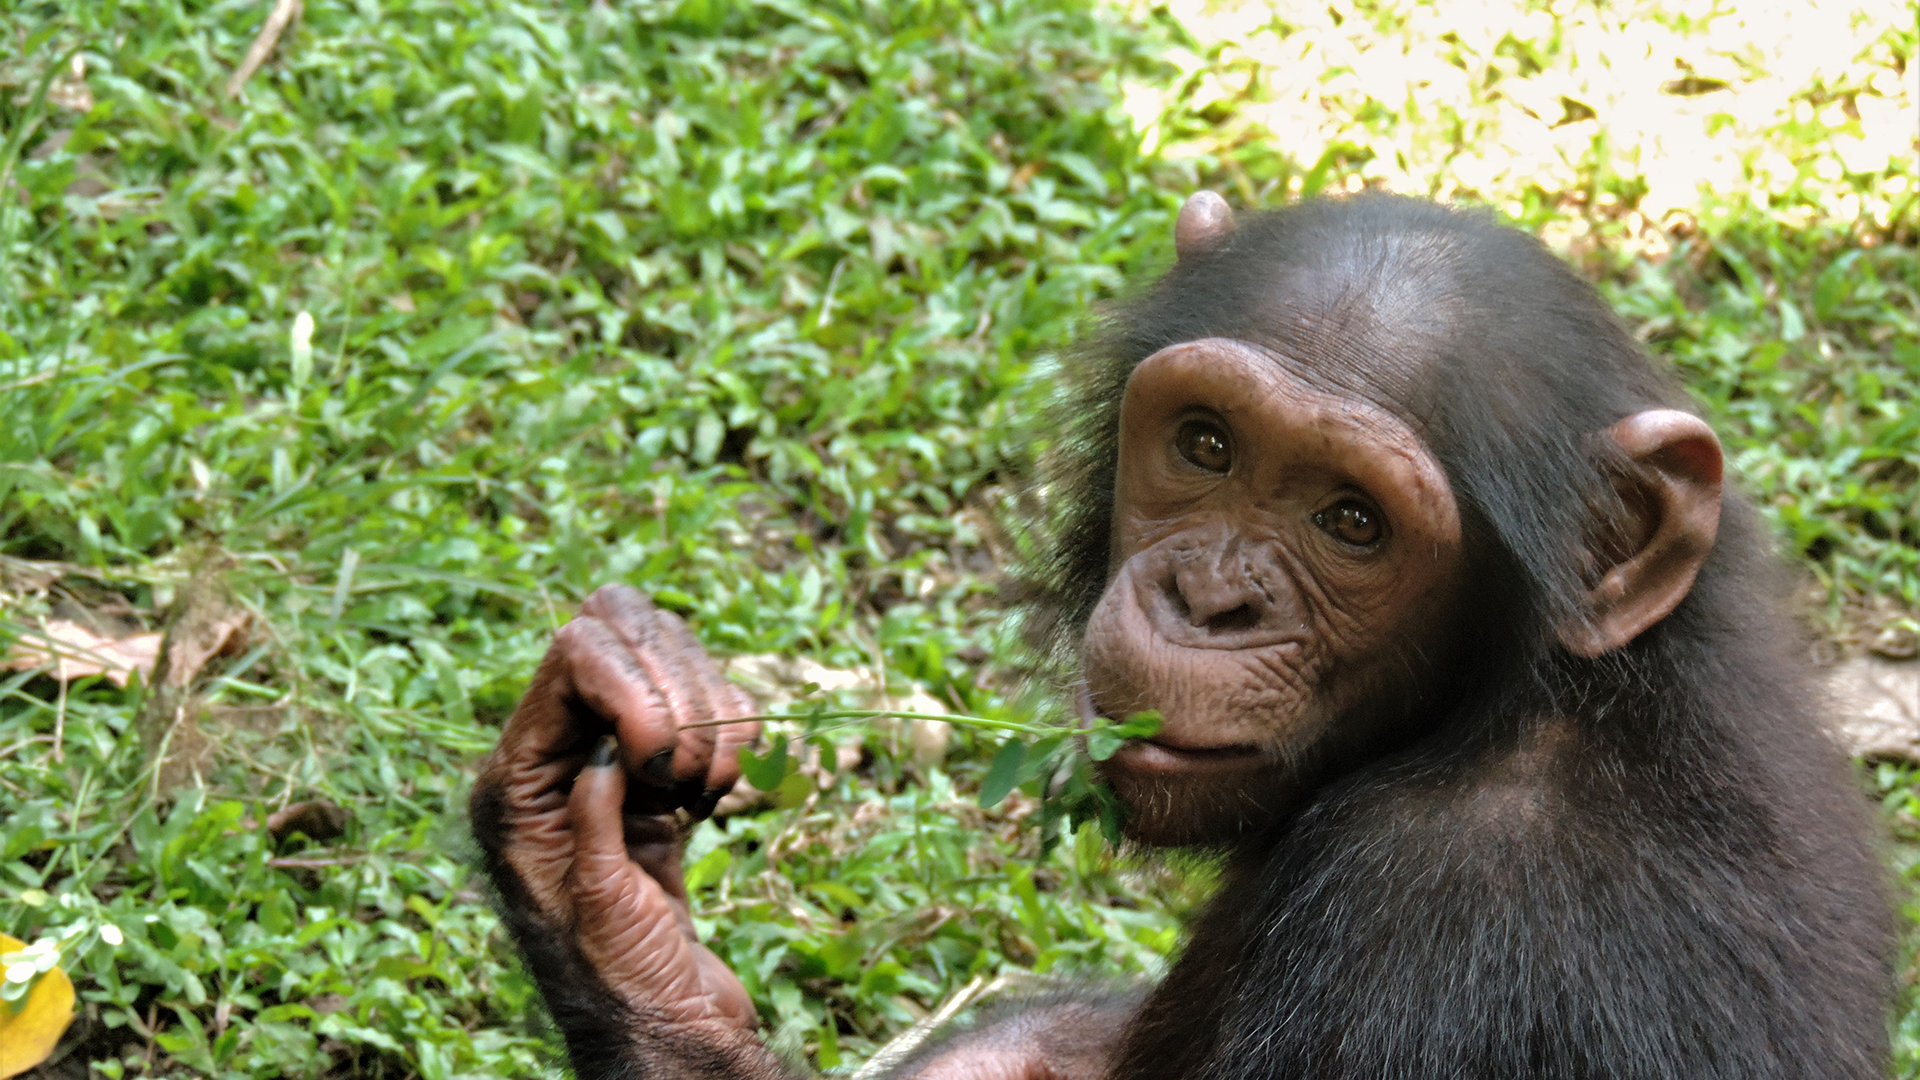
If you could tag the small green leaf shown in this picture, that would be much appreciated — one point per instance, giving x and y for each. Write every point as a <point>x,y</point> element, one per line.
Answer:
<point>708,869</point>
<point>835,893</point>
<point>1003,774</point>
<point>1113,817</point>
<point>765,773</point>
<point>1042,756</point>
<point>793,791</point>
<point>1103,743</point>
<point>1140,725</point>
<point>829,1044</point>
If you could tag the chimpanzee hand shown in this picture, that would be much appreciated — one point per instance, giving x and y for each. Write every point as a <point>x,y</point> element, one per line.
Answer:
<point>580,810</point>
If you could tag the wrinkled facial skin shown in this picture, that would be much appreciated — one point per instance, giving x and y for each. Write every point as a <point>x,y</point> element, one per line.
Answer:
<point>1285,561</point>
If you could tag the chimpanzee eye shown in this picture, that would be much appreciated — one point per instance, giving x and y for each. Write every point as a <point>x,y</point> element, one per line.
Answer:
<point>1352,522</point>
<point>1204,445</point>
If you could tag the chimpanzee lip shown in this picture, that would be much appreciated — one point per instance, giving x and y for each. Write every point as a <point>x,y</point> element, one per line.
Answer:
<point>1152,756</point>
<point>1164,754</point>
<point>1225,749</point>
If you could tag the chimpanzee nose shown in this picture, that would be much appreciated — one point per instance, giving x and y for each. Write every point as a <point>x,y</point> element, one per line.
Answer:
<point>1207,603</point>
<point>1219,592</point>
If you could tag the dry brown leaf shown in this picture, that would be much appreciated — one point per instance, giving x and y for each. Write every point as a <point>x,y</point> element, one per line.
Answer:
<point>74,652</point>
<point>1876,707</point>
<point>194,643</point>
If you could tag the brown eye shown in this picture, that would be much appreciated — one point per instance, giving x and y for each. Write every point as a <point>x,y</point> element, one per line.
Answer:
<point>1352,522</point>
<point>1204,446</point>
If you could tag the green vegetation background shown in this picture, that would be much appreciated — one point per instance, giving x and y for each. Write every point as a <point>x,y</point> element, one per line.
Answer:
<point>743,304</point>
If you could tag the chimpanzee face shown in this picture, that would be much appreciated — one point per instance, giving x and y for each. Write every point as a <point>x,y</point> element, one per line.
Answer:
<point>1285,560</point>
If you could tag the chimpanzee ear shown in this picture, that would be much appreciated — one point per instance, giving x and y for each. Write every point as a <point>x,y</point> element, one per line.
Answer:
<point>1671,492</point>
<point>1204,219</point>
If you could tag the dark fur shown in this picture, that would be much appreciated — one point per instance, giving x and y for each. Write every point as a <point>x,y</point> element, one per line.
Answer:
<point>1647,865</point>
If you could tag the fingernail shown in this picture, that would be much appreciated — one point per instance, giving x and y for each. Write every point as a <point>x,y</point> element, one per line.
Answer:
<point>703,806</point>
<point>604,752</point>
<point>658,770</point>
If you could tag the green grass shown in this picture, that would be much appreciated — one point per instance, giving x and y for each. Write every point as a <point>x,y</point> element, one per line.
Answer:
<point>743,304</point>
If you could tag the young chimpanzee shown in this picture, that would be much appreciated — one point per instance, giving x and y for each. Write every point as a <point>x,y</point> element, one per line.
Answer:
<point>1463,654</point>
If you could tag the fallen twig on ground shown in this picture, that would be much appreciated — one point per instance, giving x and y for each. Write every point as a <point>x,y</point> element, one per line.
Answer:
<point>278,20</point>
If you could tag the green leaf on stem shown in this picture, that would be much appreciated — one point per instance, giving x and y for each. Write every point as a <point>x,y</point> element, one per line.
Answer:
<point>766,773</point>
<point>1003,774</point>
<point>1141,725</point>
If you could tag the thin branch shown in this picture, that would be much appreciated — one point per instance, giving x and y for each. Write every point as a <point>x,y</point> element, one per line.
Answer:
<point>31,380</point>
<point>294,863</point>
<point>874,714</point>
<point>283,13</point>
<point>903,1045</point>
<point>9,750</point>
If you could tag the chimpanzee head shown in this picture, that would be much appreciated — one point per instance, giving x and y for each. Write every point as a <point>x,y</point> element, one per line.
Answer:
<point>1344,461</point>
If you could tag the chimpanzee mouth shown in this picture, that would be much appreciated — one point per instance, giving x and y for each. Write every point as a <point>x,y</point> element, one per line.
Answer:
<point>1163,754</point>
<point>1151,757</point>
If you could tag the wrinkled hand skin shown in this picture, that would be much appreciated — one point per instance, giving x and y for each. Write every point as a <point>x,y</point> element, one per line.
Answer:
<point>579,814</point>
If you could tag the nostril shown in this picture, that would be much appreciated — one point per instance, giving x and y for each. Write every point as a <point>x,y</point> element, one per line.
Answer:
<point>1239,618</point>
<point>1180,606</point>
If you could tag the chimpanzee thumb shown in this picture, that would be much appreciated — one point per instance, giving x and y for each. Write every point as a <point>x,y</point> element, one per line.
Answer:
<point>594,812</point>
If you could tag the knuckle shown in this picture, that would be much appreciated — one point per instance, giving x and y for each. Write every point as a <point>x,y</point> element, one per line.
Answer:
<point>610,598</point>
<point>677,630</point>
<point>574,635</point>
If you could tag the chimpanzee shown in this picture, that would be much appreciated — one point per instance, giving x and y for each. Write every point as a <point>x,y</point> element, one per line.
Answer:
<point>1466,660</point>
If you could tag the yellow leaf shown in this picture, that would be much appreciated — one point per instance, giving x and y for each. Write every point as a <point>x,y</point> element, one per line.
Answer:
<point>29,1029</point>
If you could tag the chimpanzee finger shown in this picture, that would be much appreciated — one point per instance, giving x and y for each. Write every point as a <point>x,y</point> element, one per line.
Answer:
<point>543,727</point>
<point>717,746</point>
<point>708,773</point>
<point>705,763</point>
<point>594,814</point>
<point>622,607</point>
<point>655,844</point>
<point>605,880</point>
<point>609,681</point>
<point>674,661</point>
